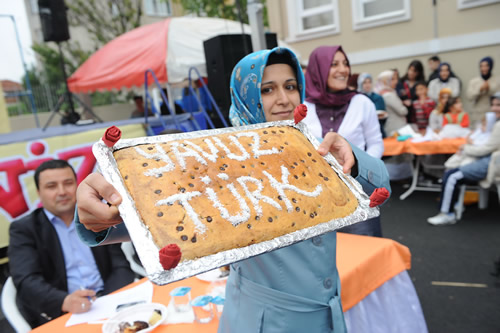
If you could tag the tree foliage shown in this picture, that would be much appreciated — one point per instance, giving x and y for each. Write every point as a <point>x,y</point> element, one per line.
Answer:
<point>103,21</point>
<point>219,8</point>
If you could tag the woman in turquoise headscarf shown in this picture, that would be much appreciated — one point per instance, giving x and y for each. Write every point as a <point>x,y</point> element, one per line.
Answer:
<point>297,288</point>
<point>293,289</point>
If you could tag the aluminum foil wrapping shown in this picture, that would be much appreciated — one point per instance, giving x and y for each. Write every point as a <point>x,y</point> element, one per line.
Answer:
<point>148,252</point>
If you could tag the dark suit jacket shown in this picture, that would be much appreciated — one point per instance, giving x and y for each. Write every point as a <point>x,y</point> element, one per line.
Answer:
<point>37,267</point>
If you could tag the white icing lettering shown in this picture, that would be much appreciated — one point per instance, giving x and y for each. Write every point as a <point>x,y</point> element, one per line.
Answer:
<point>256,145</point>
<point>223,176</point>
<point>256,195</point>
<point>184,198</point>
<point>235,220</point>
<point>284,185</point>
<point>244,154</point>
<point>158,155</point>
<point>206,180</point>
<point>188,152</point>
<point>212,156</point>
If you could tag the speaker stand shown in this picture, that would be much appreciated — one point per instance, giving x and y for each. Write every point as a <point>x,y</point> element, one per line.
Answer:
<point>65,98</point>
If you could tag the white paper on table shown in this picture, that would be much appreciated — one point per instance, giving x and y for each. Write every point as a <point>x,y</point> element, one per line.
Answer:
<point>105,306</point>
<point>430,135</point>
<point>408,130</point>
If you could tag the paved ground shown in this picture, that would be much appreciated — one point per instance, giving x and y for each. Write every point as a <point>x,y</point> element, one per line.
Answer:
<point>461,253</point>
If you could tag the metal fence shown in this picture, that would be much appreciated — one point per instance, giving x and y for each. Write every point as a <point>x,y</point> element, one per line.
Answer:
<point>46,97</point>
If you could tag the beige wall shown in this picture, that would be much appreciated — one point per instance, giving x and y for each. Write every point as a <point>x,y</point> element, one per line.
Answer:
<point>456,22</point>
<point>451,23</point>
<point>420,27</point>
<point>465,64</point>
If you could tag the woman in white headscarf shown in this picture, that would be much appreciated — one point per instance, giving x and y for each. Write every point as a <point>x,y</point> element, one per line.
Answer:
<point>396,111</point>
<point>365,86</point>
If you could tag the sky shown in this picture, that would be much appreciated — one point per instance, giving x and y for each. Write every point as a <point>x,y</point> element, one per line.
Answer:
<point>11,66</point>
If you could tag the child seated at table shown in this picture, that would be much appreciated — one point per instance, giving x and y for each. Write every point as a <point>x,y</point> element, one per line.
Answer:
<point>454,113</point>
<point>422,106</point>
<point>436,116</point>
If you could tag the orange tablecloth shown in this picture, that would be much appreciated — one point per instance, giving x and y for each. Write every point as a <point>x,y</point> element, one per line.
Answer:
<point>364,264</point>
<point>445,146</point>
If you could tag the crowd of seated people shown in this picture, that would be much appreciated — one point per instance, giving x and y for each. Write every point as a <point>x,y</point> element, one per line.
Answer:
<point>438,105</point>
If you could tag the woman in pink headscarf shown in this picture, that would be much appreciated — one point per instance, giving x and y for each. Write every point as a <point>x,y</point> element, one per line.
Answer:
<point>332,107</point>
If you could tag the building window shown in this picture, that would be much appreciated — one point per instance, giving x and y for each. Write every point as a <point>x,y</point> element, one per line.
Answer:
<point>373,13</point>
<point>312,18</point>
<point>158,8</point>
<point>465,4</point>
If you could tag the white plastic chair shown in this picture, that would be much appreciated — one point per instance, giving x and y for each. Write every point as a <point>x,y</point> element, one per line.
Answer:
<point>483,199</point>
<point>128,251</point>
<point>10,310</point>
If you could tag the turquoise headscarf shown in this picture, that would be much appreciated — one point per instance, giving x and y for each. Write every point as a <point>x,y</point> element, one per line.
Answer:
<point>246,102</point>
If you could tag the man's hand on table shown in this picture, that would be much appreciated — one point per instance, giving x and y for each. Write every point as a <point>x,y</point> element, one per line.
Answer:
<point>79,301</point>
<point>94,214</point>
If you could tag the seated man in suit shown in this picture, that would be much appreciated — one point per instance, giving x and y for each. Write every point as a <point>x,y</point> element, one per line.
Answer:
<point>53,271</point>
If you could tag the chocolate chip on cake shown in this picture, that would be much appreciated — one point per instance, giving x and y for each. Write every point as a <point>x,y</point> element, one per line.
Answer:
<point>209,219</point>
<point>179,228</point>
<point>160,214</point>
<point>184,237</point>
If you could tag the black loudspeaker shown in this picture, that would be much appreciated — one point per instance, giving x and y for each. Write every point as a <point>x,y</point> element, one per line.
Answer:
<point>222,53</point>
<point>54,21</point>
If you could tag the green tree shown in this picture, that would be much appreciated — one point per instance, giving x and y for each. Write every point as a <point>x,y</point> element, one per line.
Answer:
<point>220,8</point>
<point>103,20</point>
